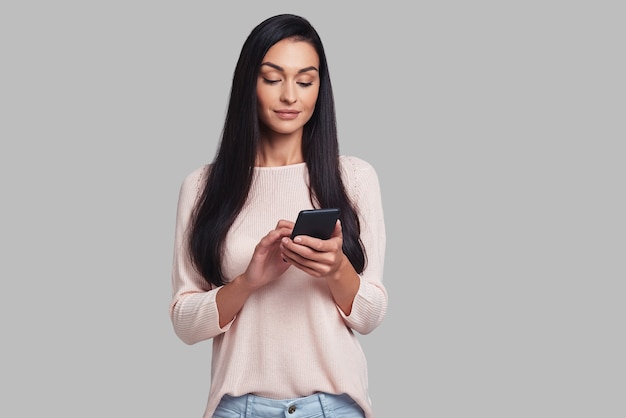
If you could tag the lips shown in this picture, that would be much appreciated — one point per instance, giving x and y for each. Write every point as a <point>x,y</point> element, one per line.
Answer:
<point>287,114</point>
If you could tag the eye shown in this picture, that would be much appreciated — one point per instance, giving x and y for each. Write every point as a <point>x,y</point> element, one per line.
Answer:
<point>268,81</point>
<point>302,84</point>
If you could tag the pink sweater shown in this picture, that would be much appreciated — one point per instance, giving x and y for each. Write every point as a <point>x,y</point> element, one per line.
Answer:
<point>290,339</point>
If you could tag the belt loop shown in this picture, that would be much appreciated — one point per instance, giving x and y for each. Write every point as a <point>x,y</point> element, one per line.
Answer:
<point>249,400</point>
<point>324,404</point>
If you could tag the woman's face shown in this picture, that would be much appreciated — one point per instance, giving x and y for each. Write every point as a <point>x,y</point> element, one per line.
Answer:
<point>288,86</point>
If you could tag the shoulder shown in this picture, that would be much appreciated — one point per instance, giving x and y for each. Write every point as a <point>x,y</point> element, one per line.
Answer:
<point>194,181</point>
<point>358,175</point>
<point>355,168</point>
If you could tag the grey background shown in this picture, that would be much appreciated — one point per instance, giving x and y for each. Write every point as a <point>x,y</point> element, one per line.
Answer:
<point>496,128</point>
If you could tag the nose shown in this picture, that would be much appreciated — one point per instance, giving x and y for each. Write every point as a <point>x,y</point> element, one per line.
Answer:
<point>288,94</point>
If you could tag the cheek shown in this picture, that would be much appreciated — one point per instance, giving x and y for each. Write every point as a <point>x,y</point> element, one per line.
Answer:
<point>263,96</point>
<point>262,112</point>
<point>311,100</point>
<point>262,103</point>
<point>310,96</point>
<point>259,98</point>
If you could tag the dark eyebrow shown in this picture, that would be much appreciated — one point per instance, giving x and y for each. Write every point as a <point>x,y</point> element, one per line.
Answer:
<point>281,69</point>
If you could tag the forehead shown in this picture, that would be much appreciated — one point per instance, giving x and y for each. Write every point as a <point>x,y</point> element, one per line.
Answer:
<point>292,54</point>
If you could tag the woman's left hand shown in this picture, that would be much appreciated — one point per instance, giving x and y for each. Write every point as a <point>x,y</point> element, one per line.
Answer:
<point>317,257</point>
<point>325,258</point>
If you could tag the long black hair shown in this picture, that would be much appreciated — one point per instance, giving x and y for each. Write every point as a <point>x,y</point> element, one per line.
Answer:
<point>232,169</point>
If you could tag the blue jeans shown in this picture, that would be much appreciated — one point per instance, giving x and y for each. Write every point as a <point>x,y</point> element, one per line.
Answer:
<point>320,405</point>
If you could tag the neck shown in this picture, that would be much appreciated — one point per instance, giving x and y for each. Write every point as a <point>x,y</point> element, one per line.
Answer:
<point>279,151</point>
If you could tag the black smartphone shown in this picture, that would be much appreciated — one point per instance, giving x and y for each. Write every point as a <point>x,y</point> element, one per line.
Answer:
<point>318,223</point>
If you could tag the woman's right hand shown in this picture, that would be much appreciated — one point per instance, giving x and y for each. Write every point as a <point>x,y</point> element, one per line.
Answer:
<point>267,262</point>
<point>266,265</point>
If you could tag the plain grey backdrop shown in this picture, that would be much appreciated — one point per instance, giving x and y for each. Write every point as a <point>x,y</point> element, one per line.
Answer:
<point>497,130</point>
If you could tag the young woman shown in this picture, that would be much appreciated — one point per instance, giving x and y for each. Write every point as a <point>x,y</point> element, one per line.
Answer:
<point>282,314</point>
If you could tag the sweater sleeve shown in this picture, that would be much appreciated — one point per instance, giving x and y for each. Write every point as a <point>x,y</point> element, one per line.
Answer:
<point>193,310</point>
<point>370,303</point>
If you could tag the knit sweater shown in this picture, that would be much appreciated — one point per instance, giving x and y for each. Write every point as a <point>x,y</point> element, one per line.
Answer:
<point>290,339</point>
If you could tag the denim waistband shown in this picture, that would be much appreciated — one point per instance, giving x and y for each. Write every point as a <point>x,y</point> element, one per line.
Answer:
<point>290,407</point>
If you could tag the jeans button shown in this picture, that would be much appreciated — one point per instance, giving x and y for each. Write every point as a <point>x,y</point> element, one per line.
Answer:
<point>292,409</point>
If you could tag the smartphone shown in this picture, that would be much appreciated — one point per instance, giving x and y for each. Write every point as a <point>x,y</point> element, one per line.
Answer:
<point>318,223</point>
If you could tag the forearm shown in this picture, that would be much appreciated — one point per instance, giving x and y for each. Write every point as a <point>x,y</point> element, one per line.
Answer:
<point>230,299</point>
<point>344,285</point>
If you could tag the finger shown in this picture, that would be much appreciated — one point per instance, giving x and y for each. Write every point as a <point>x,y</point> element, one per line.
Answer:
<point>312,243</point>
<point>338,231</point>
<point>283,223</point>
<point>311,267</point>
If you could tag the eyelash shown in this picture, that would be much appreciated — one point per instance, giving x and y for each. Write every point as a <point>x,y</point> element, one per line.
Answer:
<point>271,82</point>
